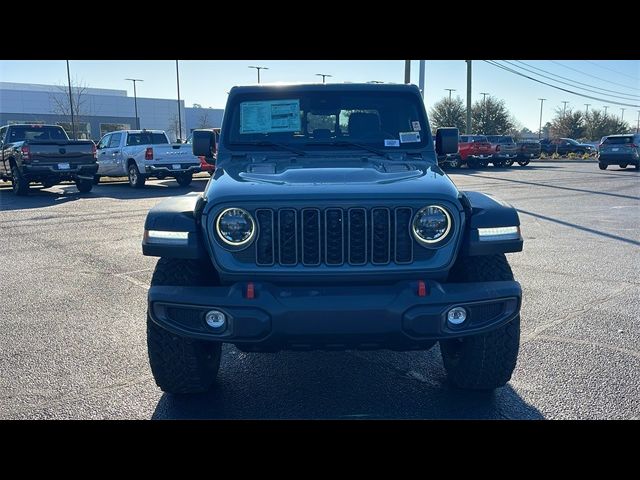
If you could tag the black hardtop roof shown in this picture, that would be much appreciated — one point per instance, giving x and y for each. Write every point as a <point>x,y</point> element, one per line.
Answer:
<point>320,87</point>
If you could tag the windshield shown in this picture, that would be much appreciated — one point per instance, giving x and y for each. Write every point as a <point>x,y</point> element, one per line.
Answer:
<point>19,133</point>
<point>383,120</point>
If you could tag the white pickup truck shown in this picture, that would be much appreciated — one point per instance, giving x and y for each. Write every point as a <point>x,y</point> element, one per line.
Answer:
<point>140,154</point>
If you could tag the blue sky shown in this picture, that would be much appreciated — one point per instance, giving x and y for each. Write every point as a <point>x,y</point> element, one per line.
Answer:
<point>206,82</point>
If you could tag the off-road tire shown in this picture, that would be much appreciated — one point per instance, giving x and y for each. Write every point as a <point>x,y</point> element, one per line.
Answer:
<point>84,186</point>
<point>181,365</point>
<point>508,163</point>
<point>136,179</point>
<point>624,165</point>
<point>184,180</point>
<point>602,166</point>
<point>523,163</point>
<point>19,184</point>
<point>484,361</point>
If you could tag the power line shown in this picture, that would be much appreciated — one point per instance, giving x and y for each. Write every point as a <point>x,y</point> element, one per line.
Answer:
<point>593,76</point>
<point>490,62</point>
<point>575,81</point>
<point>611,69</point>
<point>567,83</point>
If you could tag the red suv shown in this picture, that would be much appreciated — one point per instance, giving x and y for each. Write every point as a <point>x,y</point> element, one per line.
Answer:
<point>475,150</point>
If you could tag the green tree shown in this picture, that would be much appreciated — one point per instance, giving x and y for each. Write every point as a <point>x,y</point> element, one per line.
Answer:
<point>491,117</point>
<point>597,125</point>
<point>568,125</point>
<point>449,113</point>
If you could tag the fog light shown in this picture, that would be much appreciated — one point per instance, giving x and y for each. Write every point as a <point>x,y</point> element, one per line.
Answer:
<point>456,316</point>
<point>216,320</point>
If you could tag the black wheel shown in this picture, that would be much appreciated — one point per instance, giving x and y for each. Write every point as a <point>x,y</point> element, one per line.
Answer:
<point>498,164</point>
<point>602,166</point>
<point>136,179</point>
<point>96,179</point>
<point>19,184</point>
<point>181,365</point>
<point>523,163</point>
<point>624,165</point>
<point>485,361</point>
<point>184,180</point>
<point>84,186</point>
<point>483,163</point>
<point>508,163</point>
<point>472,163</point>
<point>48,183</point>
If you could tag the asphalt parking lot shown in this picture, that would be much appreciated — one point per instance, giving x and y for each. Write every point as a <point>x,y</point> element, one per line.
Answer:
<point>73,301</point>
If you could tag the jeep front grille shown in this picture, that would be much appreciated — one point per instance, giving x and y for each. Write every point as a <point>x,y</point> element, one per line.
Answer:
<point>334,236</point>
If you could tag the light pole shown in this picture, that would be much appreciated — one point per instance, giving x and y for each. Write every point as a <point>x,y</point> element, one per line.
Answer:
<point>468,97</point>
<point>421,77</point>
<point>564,109</point>
<point>135,99</point>
<point>258,69</point>
<point>484,95</point>
<point>540,128</point>
<point>179,113</point>
<point>323,75</point>
<point>605,110</point>
<point>73,123</point>
<point>638,125</point>
<point>407,71</point>
<point>450,90</point>
<point>622,116</point>
<point>587,112</point>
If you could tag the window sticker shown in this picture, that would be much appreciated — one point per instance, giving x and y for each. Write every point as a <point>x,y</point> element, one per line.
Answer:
<point>270,116</point>
<point>416,126</point>
<point>409,137</point>
<point>391,143</point>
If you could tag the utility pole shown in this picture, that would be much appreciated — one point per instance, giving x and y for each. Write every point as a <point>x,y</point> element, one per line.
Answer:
<point>135,99</point>
<point>638,125</point>
<point>564,108</point>
<point>179,113</point>
<point>73,123</point>
<point>450,90</point>
<point>622,116</point>
<point>407,71</point>
<point>587,112</point>
<point>540,128</point>
<point>421,78</point>
<point>323,75</point>
<point>468,97</point>
<point>605,110</point>
<point>258,69</point>
<point>484,95</point>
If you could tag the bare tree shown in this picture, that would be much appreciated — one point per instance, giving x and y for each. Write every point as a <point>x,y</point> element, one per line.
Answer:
<point>60,104</point>
<point>203,120</point>
<point>174,127</point>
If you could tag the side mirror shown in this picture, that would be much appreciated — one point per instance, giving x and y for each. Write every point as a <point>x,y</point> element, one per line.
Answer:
<point>446,140</point>
<point>204,145</point>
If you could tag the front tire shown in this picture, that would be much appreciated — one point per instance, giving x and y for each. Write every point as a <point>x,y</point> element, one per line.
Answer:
<point>508,163</point>
<point>184,180</point>
<point>523,163</point>
<point>484,361</point>
<point>624,165</point>
<point>136,179</point>
<point>602,166</point>
<point>84,186</point>
<point>19,184</point>
<point>181,365</point>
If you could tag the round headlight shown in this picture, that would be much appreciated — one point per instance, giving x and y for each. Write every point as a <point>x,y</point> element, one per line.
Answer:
<point>235,227</point>
<point>431,224</point>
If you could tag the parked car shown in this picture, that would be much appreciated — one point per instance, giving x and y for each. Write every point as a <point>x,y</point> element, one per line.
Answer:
<point>621,150</point>
<point>503,150</point>
<point>564,146</point>
<point>475,150</point>
<point>141,154</point>
<point>205,166</point>
<point>44,154</point>
<point>527,150</point>
<point>340,236</point>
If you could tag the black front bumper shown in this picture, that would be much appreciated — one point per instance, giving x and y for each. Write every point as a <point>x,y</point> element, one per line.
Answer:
<point>337,317</point>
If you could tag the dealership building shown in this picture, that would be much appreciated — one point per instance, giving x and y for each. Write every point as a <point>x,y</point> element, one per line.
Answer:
<point>99,110</point>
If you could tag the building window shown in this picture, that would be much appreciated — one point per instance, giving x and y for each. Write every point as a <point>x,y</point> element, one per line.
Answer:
<point>83,130</point>
<point>112,127</point>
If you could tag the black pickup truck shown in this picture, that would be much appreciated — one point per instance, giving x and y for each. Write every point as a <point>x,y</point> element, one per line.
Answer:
<point>44,154</point>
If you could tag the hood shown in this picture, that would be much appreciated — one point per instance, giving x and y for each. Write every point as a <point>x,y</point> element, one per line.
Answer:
<point>331,178</point>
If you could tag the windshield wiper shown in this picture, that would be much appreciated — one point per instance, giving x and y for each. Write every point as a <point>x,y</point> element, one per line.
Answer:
<point>345,143</point>
<point>269,143</point>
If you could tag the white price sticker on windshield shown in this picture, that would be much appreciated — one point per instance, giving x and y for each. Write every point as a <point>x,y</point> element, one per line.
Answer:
<point>409,137</point>
<point>270,116</point>
<point>391,143</point>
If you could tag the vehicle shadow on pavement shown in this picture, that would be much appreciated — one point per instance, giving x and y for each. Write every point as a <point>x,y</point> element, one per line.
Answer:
<point>39,197</point>
<point>340,385</point>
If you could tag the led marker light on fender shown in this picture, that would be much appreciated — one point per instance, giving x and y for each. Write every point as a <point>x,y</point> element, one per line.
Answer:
<point>166,237</point>
<point>498,233</point>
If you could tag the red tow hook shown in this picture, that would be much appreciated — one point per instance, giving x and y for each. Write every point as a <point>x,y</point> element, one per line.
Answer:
<point>251,292</point>
<point>422,288</point>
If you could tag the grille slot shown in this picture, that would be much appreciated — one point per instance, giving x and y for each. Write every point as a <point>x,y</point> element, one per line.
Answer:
<point>334,236</point>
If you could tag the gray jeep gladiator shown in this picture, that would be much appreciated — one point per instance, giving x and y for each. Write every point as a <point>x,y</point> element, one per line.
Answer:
<point>329,225</point>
